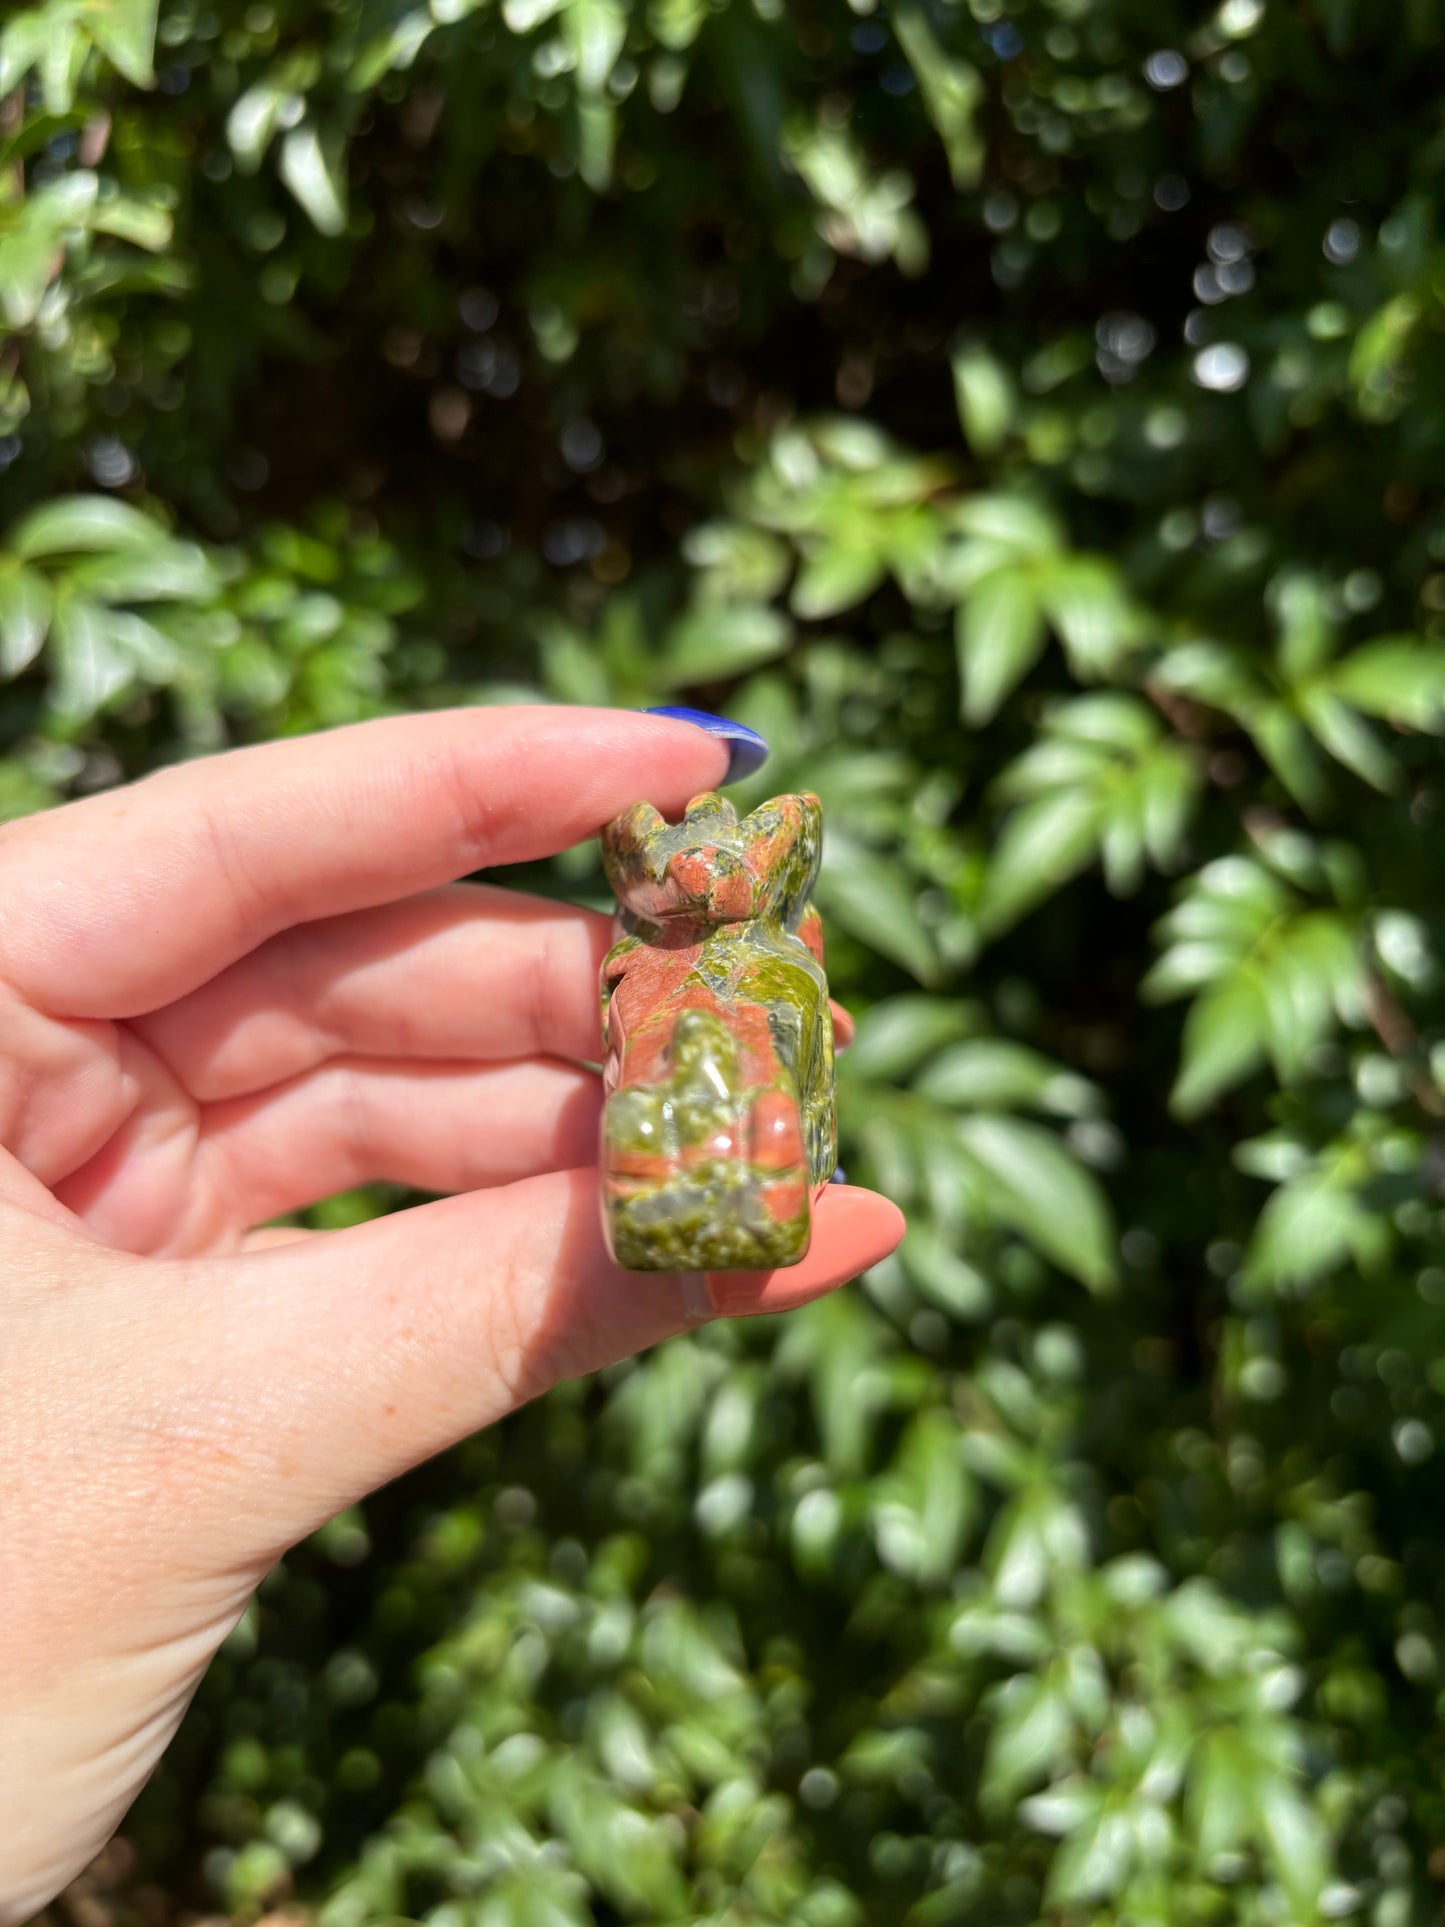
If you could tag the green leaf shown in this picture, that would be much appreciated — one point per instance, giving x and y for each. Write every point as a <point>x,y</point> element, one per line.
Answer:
<point>74,524</point>
<point>1308,1228</point>
<point>835,578</point>
<point>1286,745</point>
<point>1211,673</point>
<point>62,61</point>
<point>91,666</point>
<point>988,1073</point>
<point>1399,679</point>
<point>985,397</point>
<point>159,571</point>
<point>895,1036</point>
<point>24,618</point>
<point>1030,1734</point>
<point>1094,1863</point>
<point>1064,1807</point>
<point>312,166</point>
<point>1221,1794</point>
<point>1110,719</point>
<point>952,93</point>
<point>740,563</point>
<point>1309,637</point>
<point>30,257</point>
<point>125,32</point>
<point>1296,1843</point>
<point>1001,635</point>
<point>944,1278</point>
<point>23,41</point>
<point>1085,601</point>
<point>1349,740</point>
<point>141,223</point>
<point>597,30</point>
<point>1040,847</point>
<point>155,654</point>
<point>875,901</point>
<point>1225,1035</point>
<point>21,793</point>
<point>596,140</point>
<point>925,1503</point>
<point>254,119</point>
<point>1170,784</point>
<point>722,639</point>
<point>1034,1186</point>
<point>1013,521</point>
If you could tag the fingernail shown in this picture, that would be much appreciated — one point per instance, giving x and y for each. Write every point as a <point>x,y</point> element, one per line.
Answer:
<point>746,749</point>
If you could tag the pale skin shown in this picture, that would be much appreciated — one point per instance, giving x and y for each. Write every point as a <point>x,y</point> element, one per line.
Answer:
<point>226,992</point>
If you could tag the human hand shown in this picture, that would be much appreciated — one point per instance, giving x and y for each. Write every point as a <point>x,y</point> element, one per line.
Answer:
<point>222,998</point>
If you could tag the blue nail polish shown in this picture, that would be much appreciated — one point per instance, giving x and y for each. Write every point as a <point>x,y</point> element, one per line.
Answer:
<point>840,1176</point>
<point>746,749</point>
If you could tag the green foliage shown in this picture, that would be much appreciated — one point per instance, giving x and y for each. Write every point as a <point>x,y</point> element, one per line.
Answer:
<point>1028,413</point>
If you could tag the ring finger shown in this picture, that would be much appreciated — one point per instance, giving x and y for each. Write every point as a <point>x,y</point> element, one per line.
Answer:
<point>441,1127</point>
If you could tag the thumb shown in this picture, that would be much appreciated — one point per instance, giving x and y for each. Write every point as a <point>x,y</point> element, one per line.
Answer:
<point>334,1364</point>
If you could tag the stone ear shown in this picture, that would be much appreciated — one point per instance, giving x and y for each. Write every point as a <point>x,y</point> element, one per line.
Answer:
<point>625,844</point>
<point>783,840</point>
<point>627,834</point>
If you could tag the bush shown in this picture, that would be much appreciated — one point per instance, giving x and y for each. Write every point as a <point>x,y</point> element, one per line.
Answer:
<point>1030,415</point>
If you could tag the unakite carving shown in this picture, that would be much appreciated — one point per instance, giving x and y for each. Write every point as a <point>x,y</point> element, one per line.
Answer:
<point>718,1129</point>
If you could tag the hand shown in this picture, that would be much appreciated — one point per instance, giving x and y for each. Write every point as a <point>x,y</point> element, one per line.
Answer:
<point>226,992</point>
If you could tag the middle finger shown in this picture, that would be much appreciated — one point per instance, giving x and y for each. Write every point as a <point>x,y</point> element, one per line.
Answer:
<point>468,971</point>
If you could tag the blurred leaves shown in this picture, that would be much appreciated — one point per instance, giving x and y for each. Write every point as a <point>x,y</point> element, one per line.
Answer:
<point>1274,976</point>
<point>1105,779</point>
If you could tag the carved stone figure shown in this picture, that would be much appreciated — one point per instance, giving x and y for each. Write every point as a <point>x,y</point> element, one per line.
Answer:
<point>718,1130</point>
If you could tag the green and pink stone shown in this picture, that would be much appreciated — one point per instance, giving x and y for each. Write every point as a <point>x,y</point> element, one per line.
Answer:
<point>718,1131</point>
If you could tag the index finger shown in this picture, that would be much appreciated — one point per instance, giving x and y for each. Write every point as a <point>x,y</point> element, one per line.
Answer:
<point>116,905</point>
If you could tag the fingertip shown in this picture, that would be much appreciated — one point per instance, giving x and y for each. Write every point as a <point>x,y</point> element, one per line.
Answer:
<point>705,755</point>
<point>853,1229</point>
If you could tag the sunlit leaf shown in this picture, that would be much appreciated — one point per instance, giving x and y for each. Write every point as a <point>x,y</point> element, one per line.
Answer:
<point>1308,1227</point>
<point>125,32</point>
<point>716,640</point>
<point>24,618</point>
<point>1225,1036</point>
<point>1029,1736</point>
<point>1001,634</point>
<point>947,1280</point>
<point>1043,1193</point>
<point>1041,846</point>
<point>952,93</point>
<point>834,579</point>
<point>897,1035</point>
<point>989,1074</point>
<point>1296,1841</point>
<point>874,901</point>
<point>1094,1862</point>
<point>312,166</point>
<point>91,664</point>
<point>79,523</point>
<point>1401,680</point>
